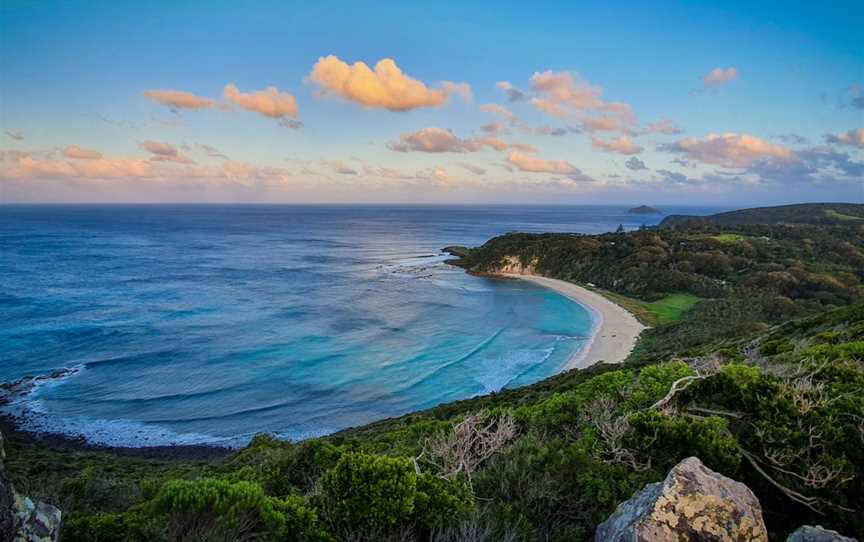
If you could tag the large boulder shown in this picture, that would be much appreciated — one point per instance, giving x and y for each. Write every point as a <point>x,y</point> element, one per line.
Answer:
<point>693,503</point>
<point>809,533</point>
<point>22,520</point>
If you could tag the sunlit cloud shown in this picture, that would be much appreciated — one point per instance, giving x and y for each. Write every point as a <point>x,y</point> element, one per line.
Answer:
<point>719,77</point>
<point>513,93</point>
<point>269,102</point>
<point>621,145</point>
<point>852,138</point>
<point>665,126</point>
<point>74,151</point>
<point>178,99</point>
<point>384,87</point>
<point>438,140</point>
<point>535,164</point>
<point>164,152</point>
<point>730,150</point>
<point>340,167</point>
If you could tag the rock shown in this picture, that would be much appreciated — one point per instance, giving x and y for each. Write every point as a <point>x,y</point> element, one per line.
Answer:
<point>22,520</point>
<point>808,533</point>
<point>693,503</point>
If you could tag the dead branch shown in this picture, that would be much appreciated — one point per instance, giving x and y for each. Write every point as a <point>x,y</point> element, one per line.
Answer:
<point>471,442</point>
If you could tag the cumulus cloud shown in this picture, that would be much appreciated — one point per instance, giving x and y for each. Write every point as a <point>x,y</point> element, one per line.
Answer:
<point>437,175</point>
<point>635,164</point>
<point>164,152</point>
<point>621,145</point>
<point>719,77</point>
<point>729,150</point>
<point>563,95</point>
<point>498,110</point>
<point>16,135</point>
<point>25,166</point>
<point>268,102</point>
<point>76,152</point>
<point>438,140</point>
<point>513,93</point>
<point>534,164</point>
<point>178,99</point>
<point>852,138</point>
<point>476,170</point>
<point>384,87</point>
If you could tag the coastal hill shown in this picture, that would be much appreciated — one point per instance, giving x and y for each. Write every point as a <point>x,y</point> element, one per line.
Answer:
<point>803,213</point>
<point>753,364</point>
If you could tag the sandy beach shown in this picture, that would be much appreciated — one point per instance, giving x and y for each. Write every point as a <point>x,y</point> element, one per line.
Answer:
<point>615,329</point>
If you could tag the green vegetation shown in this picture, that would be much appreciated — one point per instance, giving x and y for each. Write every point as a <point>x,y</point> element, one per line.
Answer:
<point>755,365</point>
<point>802,213</point>
<point>670,308</point>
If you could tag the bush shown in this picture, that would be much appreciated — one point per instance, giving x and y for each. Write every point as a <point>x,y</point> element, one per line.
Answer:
<point>366,491</point>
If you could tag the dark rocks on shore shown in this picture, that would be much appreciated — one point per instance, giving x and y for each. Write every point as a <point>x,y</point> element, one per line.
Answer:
<point>808,533</point>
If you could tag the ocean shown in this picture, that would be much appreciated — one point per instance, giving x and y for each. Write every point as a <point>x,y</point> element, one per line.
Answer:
<point>208,324</point>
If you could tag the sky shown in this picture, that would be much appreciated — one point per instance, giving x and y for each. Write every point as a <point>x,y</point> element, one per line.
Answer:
<point>708,102</point>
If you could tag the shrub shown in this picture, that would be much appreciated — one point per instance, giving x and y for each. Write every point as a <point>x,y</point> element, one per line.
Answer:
<point>366,491</point>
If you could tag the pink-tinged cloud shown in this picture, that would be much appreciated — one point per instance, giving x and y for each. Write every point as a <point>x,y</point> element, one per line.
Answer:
<point>178,99</point>
<point>339,167</point>
<point>437,175</point>
<point>665,126</point>
<point>25,167</point>
<point>853,138</point>
<point>386,87</point>
<point>269,102</point>
<point>719,77</point>
<point>438,140</point>
<point>498,110</point>
<point>730,150</point>
<point>74,151</point>
<point>621,145</point>
<point>534,164</point>
<point>164,152</point>
<point>562,95</point>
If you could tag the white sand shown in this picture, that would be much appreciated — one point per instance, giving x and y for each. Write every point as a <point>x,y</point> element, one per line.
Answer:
<point>615,329</point>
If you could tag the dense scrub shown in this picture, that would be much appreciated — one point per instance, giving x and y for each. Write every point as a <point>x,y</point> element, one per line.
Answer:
<point>773,401</point>
<point>750,277</point>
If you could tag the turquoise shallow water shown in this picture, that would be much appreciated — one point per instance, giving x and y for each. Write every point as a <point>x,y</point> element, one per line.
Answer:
<point>209,324</point>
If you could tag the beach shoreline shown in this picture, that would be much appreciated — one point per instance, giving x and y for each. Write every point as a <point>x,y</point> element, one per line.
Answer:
<point>614,331</point>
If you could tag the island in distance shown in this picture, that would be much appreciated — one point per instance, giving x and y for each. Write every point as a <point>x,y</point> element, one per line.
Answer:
<point>644,210</point>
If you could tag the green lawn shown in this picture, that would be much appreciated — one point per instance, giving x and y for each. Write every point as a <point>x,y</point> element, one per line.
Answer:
<point>728,237</point>
<point>840,216</point>
<point>670,308</point>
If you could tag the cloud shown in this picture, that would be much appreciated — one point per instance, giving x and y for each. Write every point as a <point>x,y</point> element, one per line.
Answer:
<point>164,152</point>
<point>212,152</point>
<point>16,135</point>
<point>856,96</point>
<point>438,140</point>
<point>386,87</point>
<point>513,93</point>
<point>493,128</point>
<point>178,99</point>
<point>269,102</point>
<point>534,164</point>
<point>27,166</point>
<point>498,110</point>
<point>291,124</point>
<point>74,151</point>
<point>339,167</point>
<point>635,164</point>
<point>852,138</point>
<point>791,139</point>
<point>729,150</point>
<point>562,95</point>
<point>719,77</point>
<point>437,174</point>
<point>476,170</point>
<point>622,145</point>
<point>386,173</point>
<point>664,126</point>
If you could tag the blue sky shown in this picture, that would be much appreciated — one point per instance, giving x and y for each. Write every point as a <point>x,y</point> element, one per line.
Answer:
<point>781,120</point>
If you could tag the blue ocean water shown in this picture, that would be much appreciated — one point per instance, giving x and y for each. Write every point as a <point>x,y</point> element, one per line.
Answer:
<point>211,323</point>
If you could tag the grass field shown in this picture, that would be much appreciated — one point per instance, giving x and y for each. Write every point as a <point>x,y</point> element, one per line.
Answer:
<point>840,216</point>
<point>670,308</point>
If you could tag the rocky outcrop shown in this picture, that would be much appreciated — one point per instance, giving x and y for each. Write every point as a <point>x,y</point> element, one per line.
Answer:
<point>22,520</point>
<point>512,265</point>
<point>808,533</point>
<point>693,503</point>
